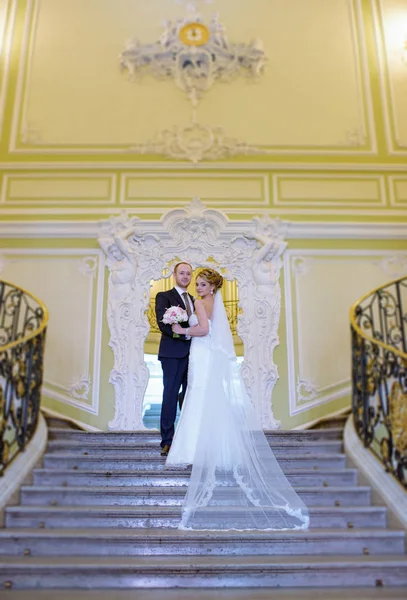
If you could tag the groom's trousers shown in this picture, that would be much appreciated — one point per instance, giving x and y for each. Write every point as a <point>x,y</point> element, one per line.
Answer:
<point>175,372</point>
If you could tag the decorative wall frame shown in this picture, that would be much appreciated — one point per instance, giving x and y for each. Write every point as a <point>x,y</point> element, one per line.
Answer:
<point>139,251</point>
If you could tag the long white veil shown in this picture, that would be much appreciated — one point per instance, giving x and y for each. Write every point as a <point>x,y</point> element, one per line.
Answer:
<point>236,482</point>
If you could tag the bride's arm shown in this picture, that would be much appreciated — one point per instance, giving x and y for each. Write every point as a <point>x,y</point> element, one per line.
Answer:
<point>198,330</point>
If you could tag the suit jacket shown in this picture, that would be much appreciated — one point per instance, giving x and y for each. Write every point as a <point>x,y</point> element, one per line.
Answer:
<point>170,347</point>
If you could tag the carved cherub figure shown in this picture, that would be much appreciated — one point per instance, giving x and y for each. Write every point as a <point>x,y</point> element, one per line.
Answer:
<point>265,261</point>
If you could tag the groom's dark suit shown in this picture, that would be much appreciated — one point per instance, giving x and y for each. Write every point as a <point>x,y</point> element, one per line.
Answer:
<point>173,354</point>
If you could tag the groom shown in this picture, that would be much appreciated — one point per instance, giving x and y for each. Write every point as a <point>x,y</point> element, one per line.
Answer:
<point>173,351</point>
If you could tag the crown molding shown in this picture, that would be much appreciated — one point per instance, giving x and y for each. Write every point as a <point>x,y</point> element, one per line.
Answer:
<point>294,230</point>
<point>265,166</point>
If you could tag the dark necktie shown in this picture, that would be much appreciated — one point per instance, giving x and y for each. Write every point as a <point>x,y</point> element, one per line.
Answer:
<point>187,303</point>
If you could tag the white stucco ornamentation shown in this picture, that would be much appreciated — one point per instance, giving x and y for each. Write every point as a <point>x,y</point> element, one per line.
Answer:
<point>127,301</point>
<point>194,142</point>
<point>80,389</point>
<point>301,265</point>
<point>306,390</point>
<point>194,55</point>
<point>393,266</point>
<point>139,251</point>
<point>88,265</point>
<point>354,137</point>
<point>30,133</point>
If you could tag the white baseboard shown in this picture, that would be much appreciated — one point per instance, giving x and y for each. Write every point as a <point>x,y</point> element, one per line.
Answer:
<point>337,413</point>
<point>53,413</point>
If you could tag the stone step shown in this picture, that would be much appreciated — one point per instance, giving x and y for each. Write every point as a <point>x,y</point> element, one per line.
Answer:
<point>160,542</point>
<point>204,593</point>
<point>329,422</point>
<point>172,496</point>
<point>202,571</point>
<point>120,437</point>
<point>172,477</point>
<point>60,423</point>
<point>95,448</point>
<point>169,516</point>
<point>157,462</point>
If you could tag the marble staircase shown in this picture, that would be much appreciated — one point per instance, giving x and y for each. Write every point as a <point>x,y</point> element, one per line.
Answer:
<point>102,511</point>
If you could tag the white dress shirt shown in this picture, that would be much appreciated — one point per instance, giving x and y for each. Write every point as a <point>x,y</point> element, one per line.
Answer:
<point>187,299</point>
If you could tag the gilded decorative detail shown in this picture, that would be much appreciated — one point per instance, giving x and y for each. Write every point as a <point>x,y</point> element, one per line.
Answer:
<point>195,56</point>
<point>23,322</point>
<point>194,34</point>
<point>398,417</point>
<point>379,374</point>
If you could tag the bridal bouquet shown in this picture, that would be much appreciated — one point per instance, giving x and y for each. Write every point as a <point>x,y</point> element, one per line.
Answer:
<point>175,314</point>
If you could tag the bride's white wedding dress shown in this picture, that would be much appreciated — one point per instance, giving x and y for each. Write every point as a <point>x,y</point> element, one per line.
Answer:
<point>186,436</point>
<point>236,482</point>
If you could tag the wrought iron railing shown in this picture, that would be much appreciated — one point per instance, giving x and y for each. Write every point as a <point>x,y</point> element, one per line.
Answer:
<point>379,374</point>
<point>23,322</point>
<point>231,307</point>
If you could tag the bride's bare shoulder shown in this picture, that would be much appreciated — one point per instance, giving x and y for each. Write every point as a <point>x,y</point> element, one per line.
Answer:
<point>201,307</point>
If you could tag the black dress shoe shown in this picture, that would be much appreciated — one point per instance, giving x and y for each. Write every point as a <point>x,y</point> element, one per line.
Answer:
<point>165,449</point>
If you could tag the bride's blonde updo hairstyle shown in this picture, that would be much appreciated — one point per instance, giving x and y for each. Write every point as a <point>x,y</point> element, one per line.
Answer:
<point>212,277</point>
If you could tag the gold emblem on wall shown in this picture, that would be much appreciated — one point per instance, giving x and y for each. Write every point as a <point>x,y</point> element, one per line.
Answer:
<point>194,34</point>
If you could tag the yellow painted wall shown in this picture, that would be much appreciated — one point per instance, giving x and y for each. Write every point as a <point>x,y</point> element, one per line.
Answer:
<point>328,120</point>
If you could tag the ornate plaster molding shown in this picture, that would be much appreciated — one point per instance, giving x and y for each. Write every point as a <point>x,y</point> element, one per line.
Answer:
<point>194,55</point>
<point>306,390</point>
<point>301,265</point>
<point>393,266</point>
<point>88,265</point>
<point>204,237</point>
<point>195,142</point>
<point>80,389</point>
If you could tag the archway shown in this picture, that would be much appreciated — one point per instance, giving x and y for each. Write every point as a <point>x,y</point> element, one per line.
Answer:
<point>140,251</point>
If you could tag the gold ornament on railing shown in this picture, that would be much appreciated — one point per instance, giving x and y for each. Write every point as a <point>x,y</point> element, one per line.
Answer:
<point>398,417</point>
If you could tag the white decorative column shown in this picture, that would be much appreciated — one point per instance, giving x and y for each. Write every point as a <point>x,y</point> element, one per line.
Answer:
<point>139,251</point>
<point>261,295</point>
<point>127,300</point>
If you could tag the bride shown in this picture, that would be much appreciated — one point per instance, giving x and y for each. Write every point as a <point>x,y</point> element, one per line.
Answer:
<point>236,482</point>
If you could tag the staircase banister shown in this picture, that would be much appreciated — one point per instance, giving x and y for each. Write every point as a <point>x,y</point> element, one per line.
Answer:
<point>23,323</point>
<point>43,325</point>
<point>359,330</point>
<point>379,374</point>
